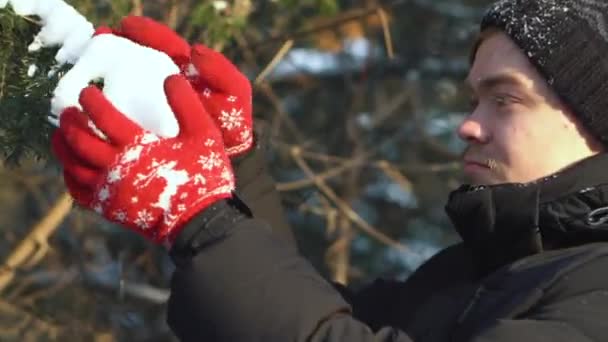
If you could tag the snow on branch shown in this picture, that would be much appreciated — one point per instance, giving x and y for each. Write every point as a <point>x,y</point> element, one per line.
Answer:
<point>132,75</point>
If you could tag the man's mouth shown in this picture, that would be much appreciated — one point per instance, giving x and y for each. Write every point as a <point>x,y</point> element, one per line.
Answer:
<point>467,162</point>
<point>473,166</point>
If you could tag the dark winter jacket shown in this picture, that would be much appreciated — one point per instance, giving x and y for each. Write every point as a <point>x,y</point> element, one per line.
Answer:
<point>532,267</point>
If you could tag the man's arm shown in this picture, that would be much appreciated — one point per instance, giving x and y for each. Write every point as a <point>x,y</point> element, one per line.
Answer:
<point>257,187</point>
<point>235,281</point>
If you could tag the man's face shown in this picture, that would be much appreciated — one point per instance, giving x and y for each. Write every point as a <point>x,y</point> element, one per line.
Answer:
<point>518,130</point>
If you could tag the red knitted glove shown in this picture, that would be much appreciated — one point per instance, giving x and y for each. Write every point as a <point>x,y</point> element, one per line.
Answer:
<point>150,184</point>
<point>223,89</point>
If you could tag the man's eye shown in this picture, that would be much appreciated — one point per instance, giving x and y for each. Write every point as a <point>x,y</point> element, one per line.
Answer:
<point>501,100</point>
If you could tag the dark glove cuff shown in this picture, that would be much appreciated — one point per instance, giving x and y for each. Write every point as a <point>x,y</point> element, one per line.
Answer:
<point>213,224</point>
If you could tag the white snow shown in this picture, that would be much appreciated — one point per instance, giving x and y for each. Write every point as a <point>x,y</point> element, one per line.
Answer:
<point>133,75</point>
<point>220,5</point>
<point>62,26</point>
<point>31,71</point>
<point>356,53</point>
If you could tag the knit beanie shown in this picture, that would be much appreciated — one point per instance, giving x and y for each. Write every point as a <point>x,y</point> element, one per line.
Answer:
<point>567,41</point>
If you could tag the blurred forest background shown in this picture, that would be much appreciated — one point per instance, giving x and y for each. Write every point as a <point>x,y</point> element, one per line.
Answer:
<point>362,98</point>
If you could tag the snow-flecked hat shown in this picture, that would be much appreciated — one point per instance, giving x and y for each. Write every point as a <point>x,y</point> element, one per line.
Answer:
<point>567,41</point>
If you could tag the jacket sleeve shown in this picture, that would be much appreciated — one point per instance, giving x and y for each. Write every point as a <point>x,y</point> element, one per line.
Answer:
<point>257,187</point>
<point>237,281</point>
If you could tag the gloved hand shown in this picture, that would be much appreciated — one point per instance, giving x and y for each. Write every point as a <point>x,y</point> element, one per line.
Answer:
<point>222,88</point>
<point>150,184</point>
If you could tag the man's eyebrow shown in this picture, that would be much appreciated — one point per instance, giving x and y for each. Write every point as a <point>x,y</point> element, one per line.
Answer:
<point>493,81</point>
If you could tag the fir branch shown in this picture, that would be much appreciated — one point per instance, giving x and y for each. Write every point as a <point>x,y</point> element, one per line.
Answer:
<point>24,99</point>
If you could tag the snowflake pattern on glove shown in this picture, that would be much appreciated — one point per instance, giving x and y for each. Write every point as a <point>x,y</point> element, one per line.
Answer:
<point>210,161</point>
<point>114,175</point>
<point>233,116</point>
<point>120,216</point>
<point>207,92</point>
<point>226,94</point>
<point>143,220</point>
<point>230,108</point>
<point>231,120</point>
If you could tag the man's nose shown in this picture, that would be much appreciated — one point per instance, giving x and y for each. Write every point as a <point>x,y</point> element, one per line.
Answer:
<point>472,131</point>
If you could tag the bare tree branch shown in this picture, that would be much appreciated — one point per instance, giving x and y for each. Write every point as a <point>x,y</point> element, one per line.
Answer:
<point>345,208</point>
<point>35,244</point>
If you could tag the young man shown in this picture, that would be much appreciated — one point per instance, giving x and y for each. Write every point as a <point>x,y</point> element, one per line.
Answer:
<point>534,218</point>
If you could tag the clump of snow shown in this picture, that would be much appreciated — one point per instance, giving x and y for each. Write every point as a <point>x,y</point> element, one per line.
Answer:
<point>31,71</point>
<point>133,75</point>
<point>62,26</point>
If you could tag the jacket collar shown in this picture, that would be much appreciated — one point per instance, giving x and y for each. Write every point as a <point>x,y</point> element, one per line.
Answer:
<point>506,222</point>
